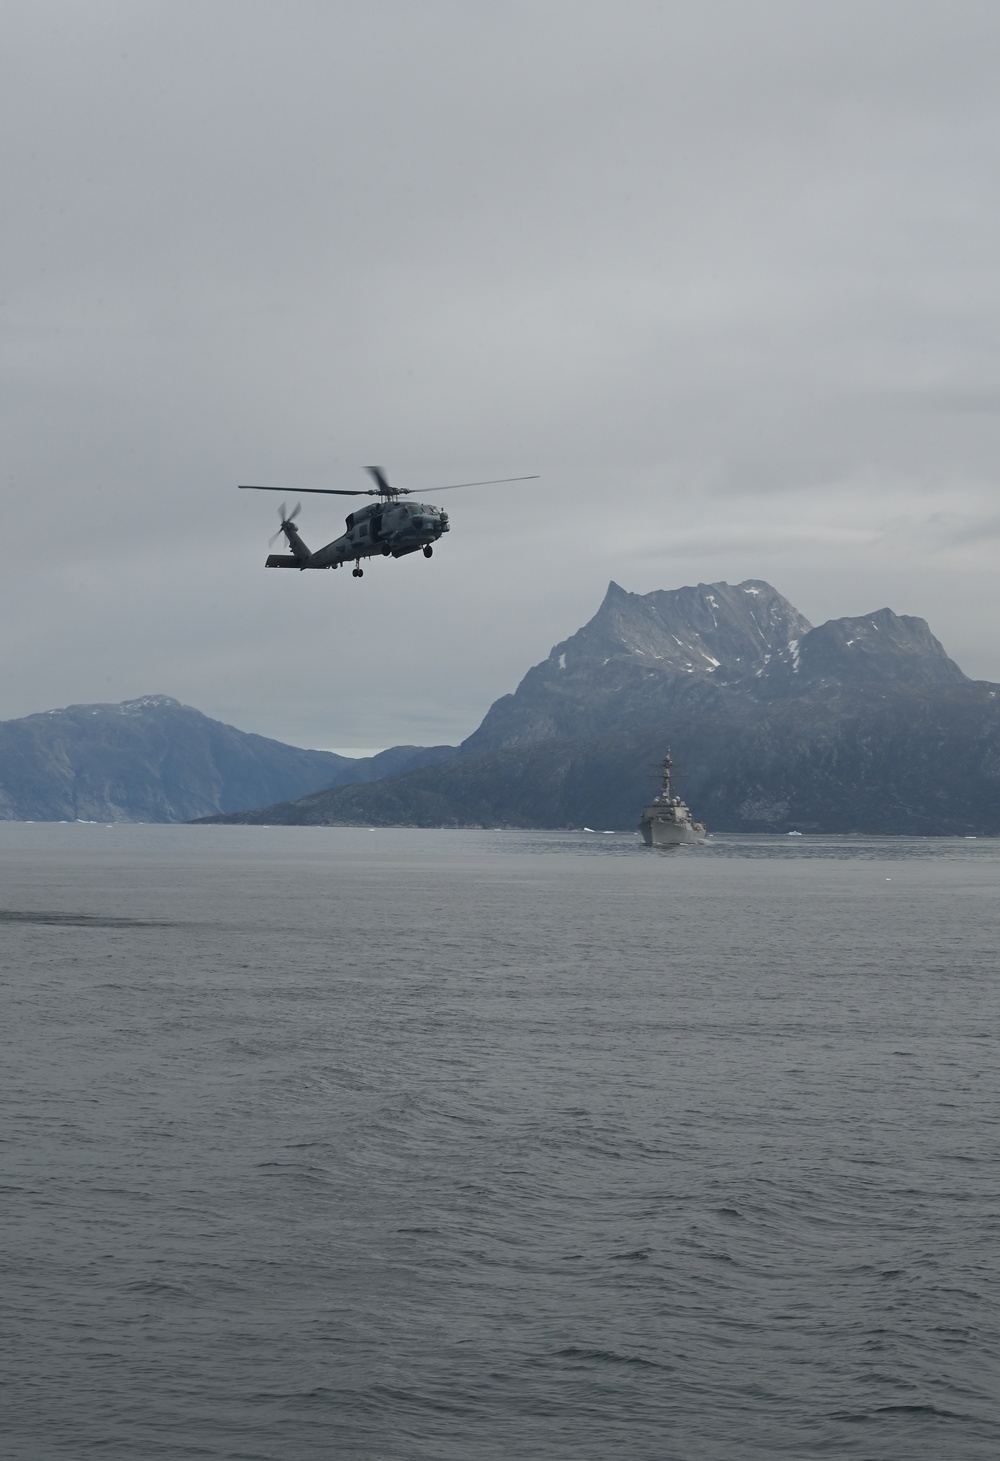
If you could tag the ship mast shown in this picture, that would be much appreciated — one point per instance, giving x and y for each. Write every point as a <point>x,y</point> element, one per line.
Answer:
<point>665,792</point>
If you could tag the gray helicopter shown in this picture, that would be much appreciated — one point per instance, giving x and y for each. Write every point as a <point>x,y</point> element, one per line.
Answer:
<point>386,528</point>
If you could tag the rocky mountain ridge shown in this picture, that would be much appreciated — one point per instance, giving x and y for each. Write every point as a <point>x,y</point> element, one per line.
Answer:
<point>638,655</point>
<point>646,657</point>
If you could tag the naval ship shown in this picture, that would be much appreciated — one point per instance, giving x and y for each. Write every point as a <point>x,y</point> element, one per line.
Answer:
<point>667,821</point>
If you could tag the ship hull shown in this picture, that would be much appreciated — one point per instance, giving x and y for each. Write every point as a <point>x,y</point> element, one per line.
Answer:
<point>661,832</point>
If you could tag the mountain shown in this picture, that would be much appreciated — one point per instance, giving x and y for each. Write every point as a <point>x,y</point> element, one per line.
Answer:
<point>643,659</point>
<point>643,656</point>
<point>155,760</point>
<point>861,724</point>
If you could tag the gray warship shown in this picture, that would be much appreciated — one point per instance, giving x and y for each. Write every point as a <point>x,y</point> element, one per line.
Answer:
<point>667,821</point>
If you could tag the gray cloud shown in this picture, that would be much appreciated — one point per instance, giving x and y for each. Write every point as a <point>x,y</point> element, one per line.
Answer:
<point>724,274</point>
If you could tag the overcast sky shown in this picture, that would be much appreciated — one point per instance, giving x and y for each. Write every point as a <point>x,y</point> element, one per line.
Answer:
<point>724,274</point>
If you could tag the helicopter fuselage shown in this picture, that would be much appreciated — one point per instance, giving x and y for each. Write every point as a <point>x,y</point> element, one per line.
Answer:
<point>379,529</point>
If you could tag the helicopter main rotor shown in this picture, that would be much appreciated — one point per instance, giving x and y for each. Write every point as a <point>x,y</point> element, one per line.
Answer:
<point>383,489</point>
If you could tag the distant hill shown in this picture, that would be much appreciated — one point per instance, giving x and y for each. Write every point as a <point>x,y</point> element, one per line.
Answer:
<point>862,724</point>
<point>155,760</point>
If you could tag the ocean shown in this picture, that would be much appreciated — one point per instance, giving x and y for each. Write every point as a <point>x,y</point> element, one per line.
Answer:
<point>329,1142</point>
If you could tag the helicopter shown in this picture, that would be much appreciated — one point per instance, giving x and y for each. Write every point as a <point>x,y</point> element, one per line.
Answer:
<point>386,528</point>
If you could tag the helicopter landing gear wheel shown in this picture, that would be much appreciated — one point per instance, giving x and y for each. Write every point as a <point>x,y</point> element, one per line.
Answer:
<point>357,573</point>
<point>386,551</point>
<point>428,551</point>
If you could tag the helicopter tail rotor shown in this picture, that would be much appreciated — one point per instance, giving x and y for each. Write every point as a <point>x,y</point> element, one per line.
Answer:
<point>298,555</point>
<point>287,519</point>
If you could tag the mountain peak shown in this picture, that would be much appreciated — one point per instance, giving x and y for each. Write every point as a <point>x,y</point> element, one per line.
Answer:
<point>637,653</point>
<point>123,707</point>
<point>878,648</point>
<point>705,628</point>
